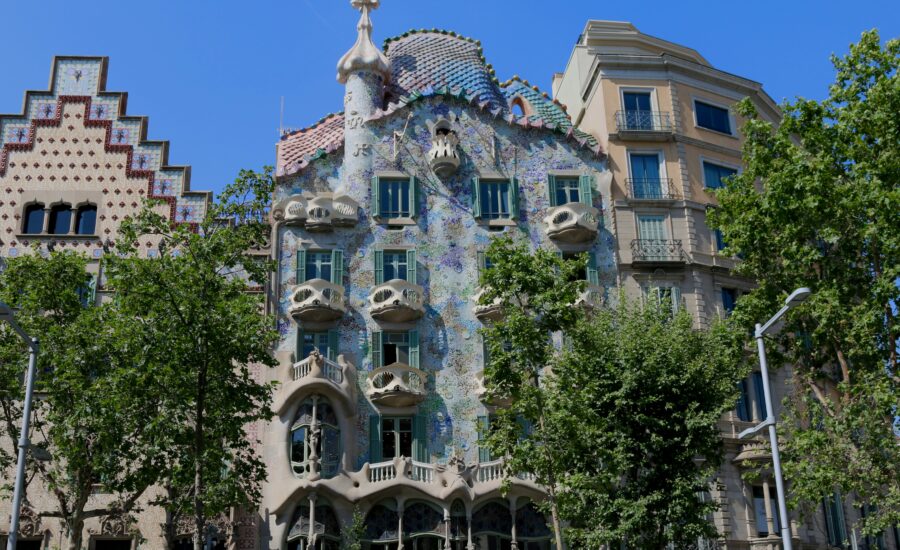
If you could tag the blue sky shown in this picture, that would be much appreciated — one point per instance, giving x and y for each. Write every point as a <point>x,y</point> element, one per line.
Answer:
<point>210,74</point>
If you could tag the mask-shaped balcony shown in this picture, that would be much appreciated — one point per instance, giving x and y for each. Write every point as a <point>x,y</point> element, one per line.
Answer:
<point>487,312</point>
<point>321,213</point>
<point>484,395</point>
<point>590,298</point>
<point>396,385</point>
<point>444,156</point>
<point>317,300</point>
<point>397,301</point>
<point>573,223</point>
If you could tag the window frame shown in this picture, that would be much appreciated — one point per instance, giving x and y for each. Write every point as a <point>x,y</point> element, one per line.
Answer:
<point>395,419</point>
<point>715,104</point>
<point>704,160</point>
<point>77,213</point>
<point>513,199</point>
<point>36,206</point>
<point>414,194</point>
<point>53,218</point>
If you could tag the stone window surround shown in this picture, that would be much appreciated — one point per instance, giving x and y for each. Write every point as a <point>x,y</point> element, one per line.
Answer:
<point>654,99</point>
<point>51,198</point>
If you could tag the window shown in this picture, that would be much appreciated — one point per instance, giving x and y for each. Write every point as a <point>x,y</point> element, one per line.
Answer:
<point>34,544</point>
<point>646,182</point>
<point>759,511</point>
<point>316,428</point>
<point>638,111</point>
<point>112,544</point>
<point>714,175</point>
<point>636,101</point>
<point>590,274</point>
<point>752,401</point>
<point>60,219</point>
<point>324,524</point>
<point>834,520</point>
<point>187,543</point>
<point>395,264</point>
<point>396,437</point>
<point>318,265</point>
<point>395,347</point>
<point>729,299</point>
<point>720,240</point>
<point>568,189</point>
<point>712,117</point>
<point>664,297</point>
<point>484,428</point>
<point>326,342</point>
<point>34,219</point>
<point>395,197</point>
<point>744,409</point>
<point>652,228</point>
<point>495,199</point>
<point>327,265</point>
<point>391,437</point>
<point>86,220</point>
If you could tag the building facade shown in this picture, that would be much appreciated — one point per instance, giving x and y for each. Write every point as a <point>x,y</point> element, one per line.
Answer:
<point>664,117</point>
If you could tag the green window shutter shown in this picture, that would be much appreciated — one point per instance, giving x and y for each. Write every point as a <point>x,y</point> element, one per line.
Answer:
<point>333,344</point>
<point>585,190</point>
<point>484,427</point>
<point>415,197</point>
<point>337,267</point>
<point>298,352</point>
<point>379,267</point>
<point>486,353</point>
<point>482,261</point>
<point>513,198</point>
<point>551,189</point>
<point>593,278</point>
<point>377,357</point>
<point>376,197</point>
<point>411,269</point>
<point>420,438</point>
<point>375,439</point>
<point>476,197</point>
<point>92,290</point>
<point>301,266</point>
<point>414,349</point>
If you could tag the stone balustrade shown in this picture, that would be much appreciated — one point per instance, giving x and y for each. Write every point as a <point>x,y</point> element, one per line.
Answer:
<point>317,300</point>
<point>573,223</point>
<point>397,301</point>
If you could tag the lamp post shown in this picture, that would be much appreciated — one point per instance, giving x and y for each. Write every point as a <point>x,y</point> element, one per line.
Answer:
<point>6,314</point>
<point>772,326</point>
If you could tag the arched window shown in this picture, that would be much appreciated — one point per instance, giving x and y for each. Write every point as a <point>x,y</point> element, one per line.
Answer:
<point>86,220</point>
<point>381,526</point>
<point>324,524</point>
<point>531,528</point>
<point>459,526</point>
<point>492,526</point>
<point>520,107</point>
<point>423,526</point>
<point>315,439</point>
<point>34,219</point>
<point>60,219</point>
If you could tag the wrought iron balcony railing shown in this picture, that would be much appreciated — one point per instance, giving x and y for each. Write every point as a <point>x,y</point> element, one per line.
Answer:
<point>643,121</point>
<point>651,189</point>
<point>657,250</point>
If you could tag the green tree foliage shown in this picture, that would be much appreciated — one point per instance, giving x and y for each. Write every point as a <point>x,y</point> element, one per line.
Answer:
<point>818,205</point>
<point>203,333</point>
<point>614,411</point>
<point>96,416</point>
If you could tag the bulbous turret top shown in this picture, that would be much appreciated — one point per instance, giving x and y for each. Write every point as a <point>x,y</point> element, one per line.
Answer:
<point>364,55</point>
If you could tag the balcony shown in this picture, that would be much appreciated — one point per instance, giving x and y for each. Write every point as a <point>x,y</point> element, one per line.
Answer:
<point>573,223</point>
<point>396,385</point>
<point>487,312</point>
<point>443,156</point>
<point>321,213</point>
<point>317,300</point>
<point>440,475</point>
<point>590,298</point>
<point>397,301</point>
<point>316,373</point>
<point>651,189</point>
<point>485,397</point>
<point>657,251</point>
<point>644,125</point>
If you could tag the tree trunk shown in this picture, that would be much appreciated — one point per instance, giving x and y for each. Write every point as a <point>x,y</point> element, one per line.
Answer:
<point>199,515</point>
<point>554,518</point>
<point>73,532</point>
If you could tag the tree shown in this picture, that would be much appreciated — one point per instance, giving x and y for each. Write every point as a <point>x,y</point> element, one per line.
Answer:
<point>95,417</point>
<point>204,331</point>
<point>616,414</point>
<point>817,205</point>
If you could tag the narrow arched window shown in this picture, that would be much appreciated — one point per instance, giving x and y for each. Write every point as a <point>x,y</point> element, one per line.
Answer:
<point>34,219</point>
<point>86,220</point>
<point>60,219</point>
<point>315,439</point>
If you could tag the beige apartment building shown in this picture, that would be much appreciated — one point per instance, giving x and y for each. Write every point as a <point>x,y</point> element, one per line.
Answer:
<point>665,118</point>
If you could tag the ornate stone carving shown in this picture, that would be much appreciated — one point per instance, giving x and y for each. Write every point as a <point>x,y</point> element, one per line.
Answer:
<point>444,155</point>
<point>29,521</point>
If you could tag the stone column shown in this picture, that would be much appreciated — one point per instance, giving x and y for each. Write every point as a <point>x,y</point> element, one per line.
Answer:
<point>770,523</point>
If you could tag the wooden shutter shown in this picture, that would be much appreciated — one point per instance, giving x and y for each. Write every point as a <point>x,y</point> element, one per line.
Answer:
<point>301,266</point>
<point>411,269</point>
<point>414,349</point>
<point>513,198</point>
<point>593,278</point>
<point>379,267</point>
<point>376,197</point>
<point>551,189</point>
<point>484,428</point>
<point>585,190</point>
<point>415,197</point>
<point>375,439</point>
<point>377,357</point>
<point>337,267</point>
<point>476,197</point>
<point>333,338</point>
<point>420,438</point>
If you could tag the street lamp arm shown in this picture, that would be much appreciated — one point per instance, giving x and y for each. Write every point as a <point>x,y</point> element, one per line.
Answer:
<point>768,326</point>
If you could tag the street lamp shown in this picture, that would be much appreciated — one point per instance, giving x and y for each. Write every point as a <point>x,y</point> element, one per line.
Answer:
<point>796,298</point>
<point>6,314</point>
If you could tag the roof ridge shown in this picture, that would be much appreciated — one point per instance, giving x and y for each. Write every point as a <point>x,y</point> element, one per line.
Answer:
<point>312,126</point>
<point>516,78</point>
<point>490,68</point>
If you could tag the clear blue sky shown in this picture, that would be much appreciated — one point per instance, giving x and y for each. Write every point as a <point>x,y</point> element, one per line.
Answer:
<point>210,74</point>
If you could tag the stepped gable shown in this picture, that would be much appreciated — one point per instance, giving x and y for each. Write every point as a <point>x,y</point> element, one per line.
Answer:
<point>80,83</point>
<point>297,149</point>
